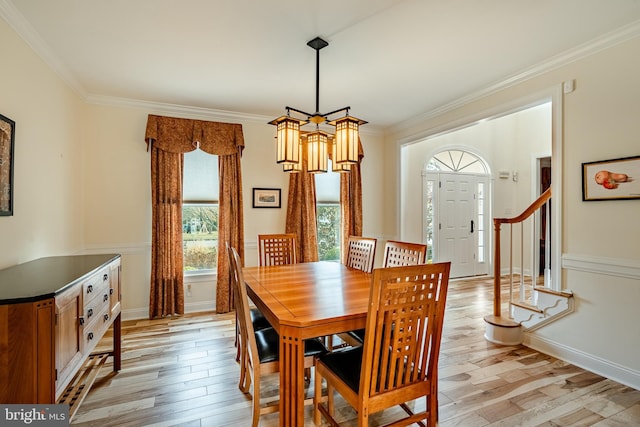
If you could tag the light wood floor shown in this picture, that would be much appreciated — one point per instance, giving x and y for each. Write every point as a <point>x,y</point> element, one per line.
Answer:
<point>182,372</point>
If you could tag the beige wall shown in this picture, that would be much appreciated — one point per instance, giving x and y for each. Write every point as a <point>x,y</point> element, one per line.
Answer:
<point>600,253</point>
<point>48,217</point>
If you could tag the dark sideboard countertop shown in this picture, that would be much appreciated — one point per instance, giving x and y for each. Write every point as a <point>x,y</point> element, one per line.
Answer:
<point>45,278</point>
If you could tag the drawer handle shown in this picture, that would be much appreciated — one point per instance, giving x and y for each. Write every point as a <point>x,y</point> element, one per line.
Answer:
<point>105,297</point>
<point>89,289</point>
<point>90,336</point>
<point>106,317</point>
<point>90,312</point>
<point>111,291</point>
<point>81,320</point>
<point>105,277</point>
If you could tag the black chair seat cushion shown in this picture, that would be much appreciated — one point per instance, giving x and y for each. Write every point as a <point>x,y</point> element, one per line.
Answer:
<point>346,364</point>
<point>268,343</point>
<point>258,319</point>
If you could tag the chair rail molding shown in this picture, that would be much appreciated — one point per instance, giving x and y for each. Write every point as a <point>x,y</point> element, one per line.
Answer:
<point>619,267</point>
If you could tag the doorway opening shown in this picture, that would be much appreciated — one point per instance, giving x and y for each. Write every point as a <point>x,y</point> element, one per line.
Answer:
<point>456,212</point>
<point>500,161</point>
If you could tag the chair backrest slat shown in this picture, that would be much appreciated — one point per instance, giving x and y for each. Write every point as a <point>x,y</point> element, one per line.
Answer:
<point>361,253</point>
<point>404,326</point>
<point>277,249</point>
<point>404,253</point>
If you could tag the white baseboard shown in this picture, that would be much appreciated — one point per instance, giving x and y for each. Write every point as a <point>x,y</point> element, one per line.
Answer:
<point>586,361</point>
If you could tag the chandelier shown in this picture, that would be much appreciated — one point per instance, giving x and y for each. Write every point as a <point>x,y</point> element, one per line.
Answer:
<point>295,146</point>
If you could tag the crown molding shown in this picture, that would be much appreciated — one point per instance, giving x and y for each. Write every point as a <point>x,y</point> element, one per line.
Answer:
<point>26,31</point>
<point>176,110</point>
<point>186,111</point>
<point>589,48</point>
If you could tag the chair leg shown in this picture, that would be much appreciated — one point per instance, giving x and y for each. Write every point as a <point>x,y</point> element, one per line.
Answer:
<point>317,395</point>
<point>245,376</point>
<point>237,343</point>
<point>256,400</point>
<point>432,408</point>
<point>330,400</point>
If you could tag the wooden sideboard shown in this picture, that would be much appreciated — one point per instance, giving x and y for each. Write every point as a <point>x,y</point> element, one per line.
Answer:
<point>53,312</point>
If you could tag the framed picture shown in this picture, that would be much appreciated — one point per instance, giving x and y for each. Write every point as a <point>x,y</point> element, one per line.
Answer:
<point>7,136</point>
<point>266,197</point>
<point>611,179</point>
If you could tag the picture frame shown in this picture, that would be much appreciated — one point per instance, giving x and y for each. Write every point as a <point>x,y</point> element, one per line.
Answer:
<point>266,198</point>
<point>7,141</point>
<point>615,179</point>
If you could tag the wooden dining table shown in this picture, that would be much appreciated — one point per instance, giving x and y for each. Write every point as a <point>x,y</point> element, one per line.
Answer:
<point>302,301</point>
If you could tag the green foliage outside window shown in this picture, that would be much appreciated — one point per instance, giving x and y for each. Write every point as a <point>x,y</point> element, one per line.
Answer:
<point>200,236</point>
<point>328,232</point>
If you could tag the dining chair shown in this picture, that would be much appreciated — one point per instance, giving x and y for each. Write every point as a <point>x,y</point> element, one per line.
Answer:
<point>262,347</point>
<point>277,249</point>
<point>361,253</point>
<point>396,254</point>
<point>398,362</point>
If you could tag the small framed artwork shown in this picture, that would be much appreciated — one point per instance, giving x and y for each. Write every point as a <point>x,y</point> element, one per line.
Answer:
<point>266,198</point>
<point>611,179</point>
<point>7,136</point>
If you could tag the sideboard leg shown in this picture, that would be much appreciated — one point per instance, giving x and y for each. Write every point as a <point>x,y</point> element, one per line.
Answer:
<point>117,343</point>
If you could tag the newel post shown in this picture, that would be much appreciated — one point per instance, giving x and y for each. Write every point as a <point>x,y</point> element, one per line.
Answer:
<point>497,305</point>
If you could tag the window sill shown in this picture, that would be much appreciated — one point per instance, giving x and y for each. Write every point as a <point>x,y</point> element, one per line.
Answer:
<point>200,277</point>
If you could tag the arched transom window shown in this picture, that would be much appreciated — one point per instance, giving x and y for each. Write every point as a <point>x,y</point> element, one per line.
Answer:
<point>456,161</point>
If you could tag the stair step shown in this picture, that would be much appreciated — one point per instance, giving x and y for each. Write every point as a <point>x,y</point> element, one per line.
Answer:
<point>529,307</point>
<point>504,322</point>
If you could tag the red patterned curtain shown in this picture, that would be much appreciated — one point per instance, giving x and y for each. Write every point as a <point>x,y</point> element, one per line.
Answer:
<point>351,204</point>
<point>168,138</point>
<point>301,214</point>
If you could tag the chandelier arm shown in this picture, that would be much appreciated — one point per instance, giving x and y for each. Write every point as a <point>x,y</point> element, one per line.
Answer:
<point>300,111</point>
<point>337,111</point>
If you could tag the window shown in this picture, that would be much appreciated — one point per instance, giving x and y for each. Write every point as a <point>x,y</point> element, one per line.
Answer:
<point>456,161</point>
<point>481,217</point>
<point>200,213</point>
<point>328,214</point>
<point>429,217</point>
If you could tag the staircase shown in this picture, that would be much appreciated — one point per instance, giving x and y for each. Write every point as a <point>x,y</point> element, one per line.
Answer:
<point>532,300</point>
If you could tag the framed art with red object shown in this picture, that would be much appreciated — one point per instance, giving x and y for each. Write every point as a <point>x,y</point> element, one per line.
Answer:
<point>615,179</point>
<point>7,137</point>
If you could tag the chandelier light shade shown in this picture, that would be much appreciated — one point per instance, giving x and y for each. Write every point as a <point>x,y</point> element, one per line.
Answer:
<point>317,152</point>
<point>287,139</point>
<point>290,144</point>
<point>295,167</point>
<point>347,137</point>
<point>340,167</point>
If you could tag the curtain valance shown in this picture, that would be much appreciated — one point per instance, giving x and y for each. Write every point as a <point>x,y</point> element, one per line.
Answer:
<point>178,135</point>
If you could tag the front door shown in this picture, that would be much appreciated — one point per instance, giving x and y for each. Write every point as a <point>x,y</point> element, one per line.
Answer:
<point>457,223</point>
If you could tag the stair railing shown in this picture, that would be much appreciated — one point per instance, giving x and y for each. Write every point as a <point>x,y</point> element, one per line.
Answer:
<point>541,201</point>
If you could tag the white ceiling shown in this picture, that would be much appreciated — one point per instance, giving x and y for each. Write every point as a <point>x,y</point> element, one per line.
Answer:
<point>390,60</point>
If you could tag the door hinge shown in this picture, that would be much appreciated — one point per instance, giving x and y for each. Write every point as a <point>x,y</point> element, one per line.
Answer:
<point>439,184</point>
<point>56,319</point>
<point>439,226</point>
<point>56,375</point>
